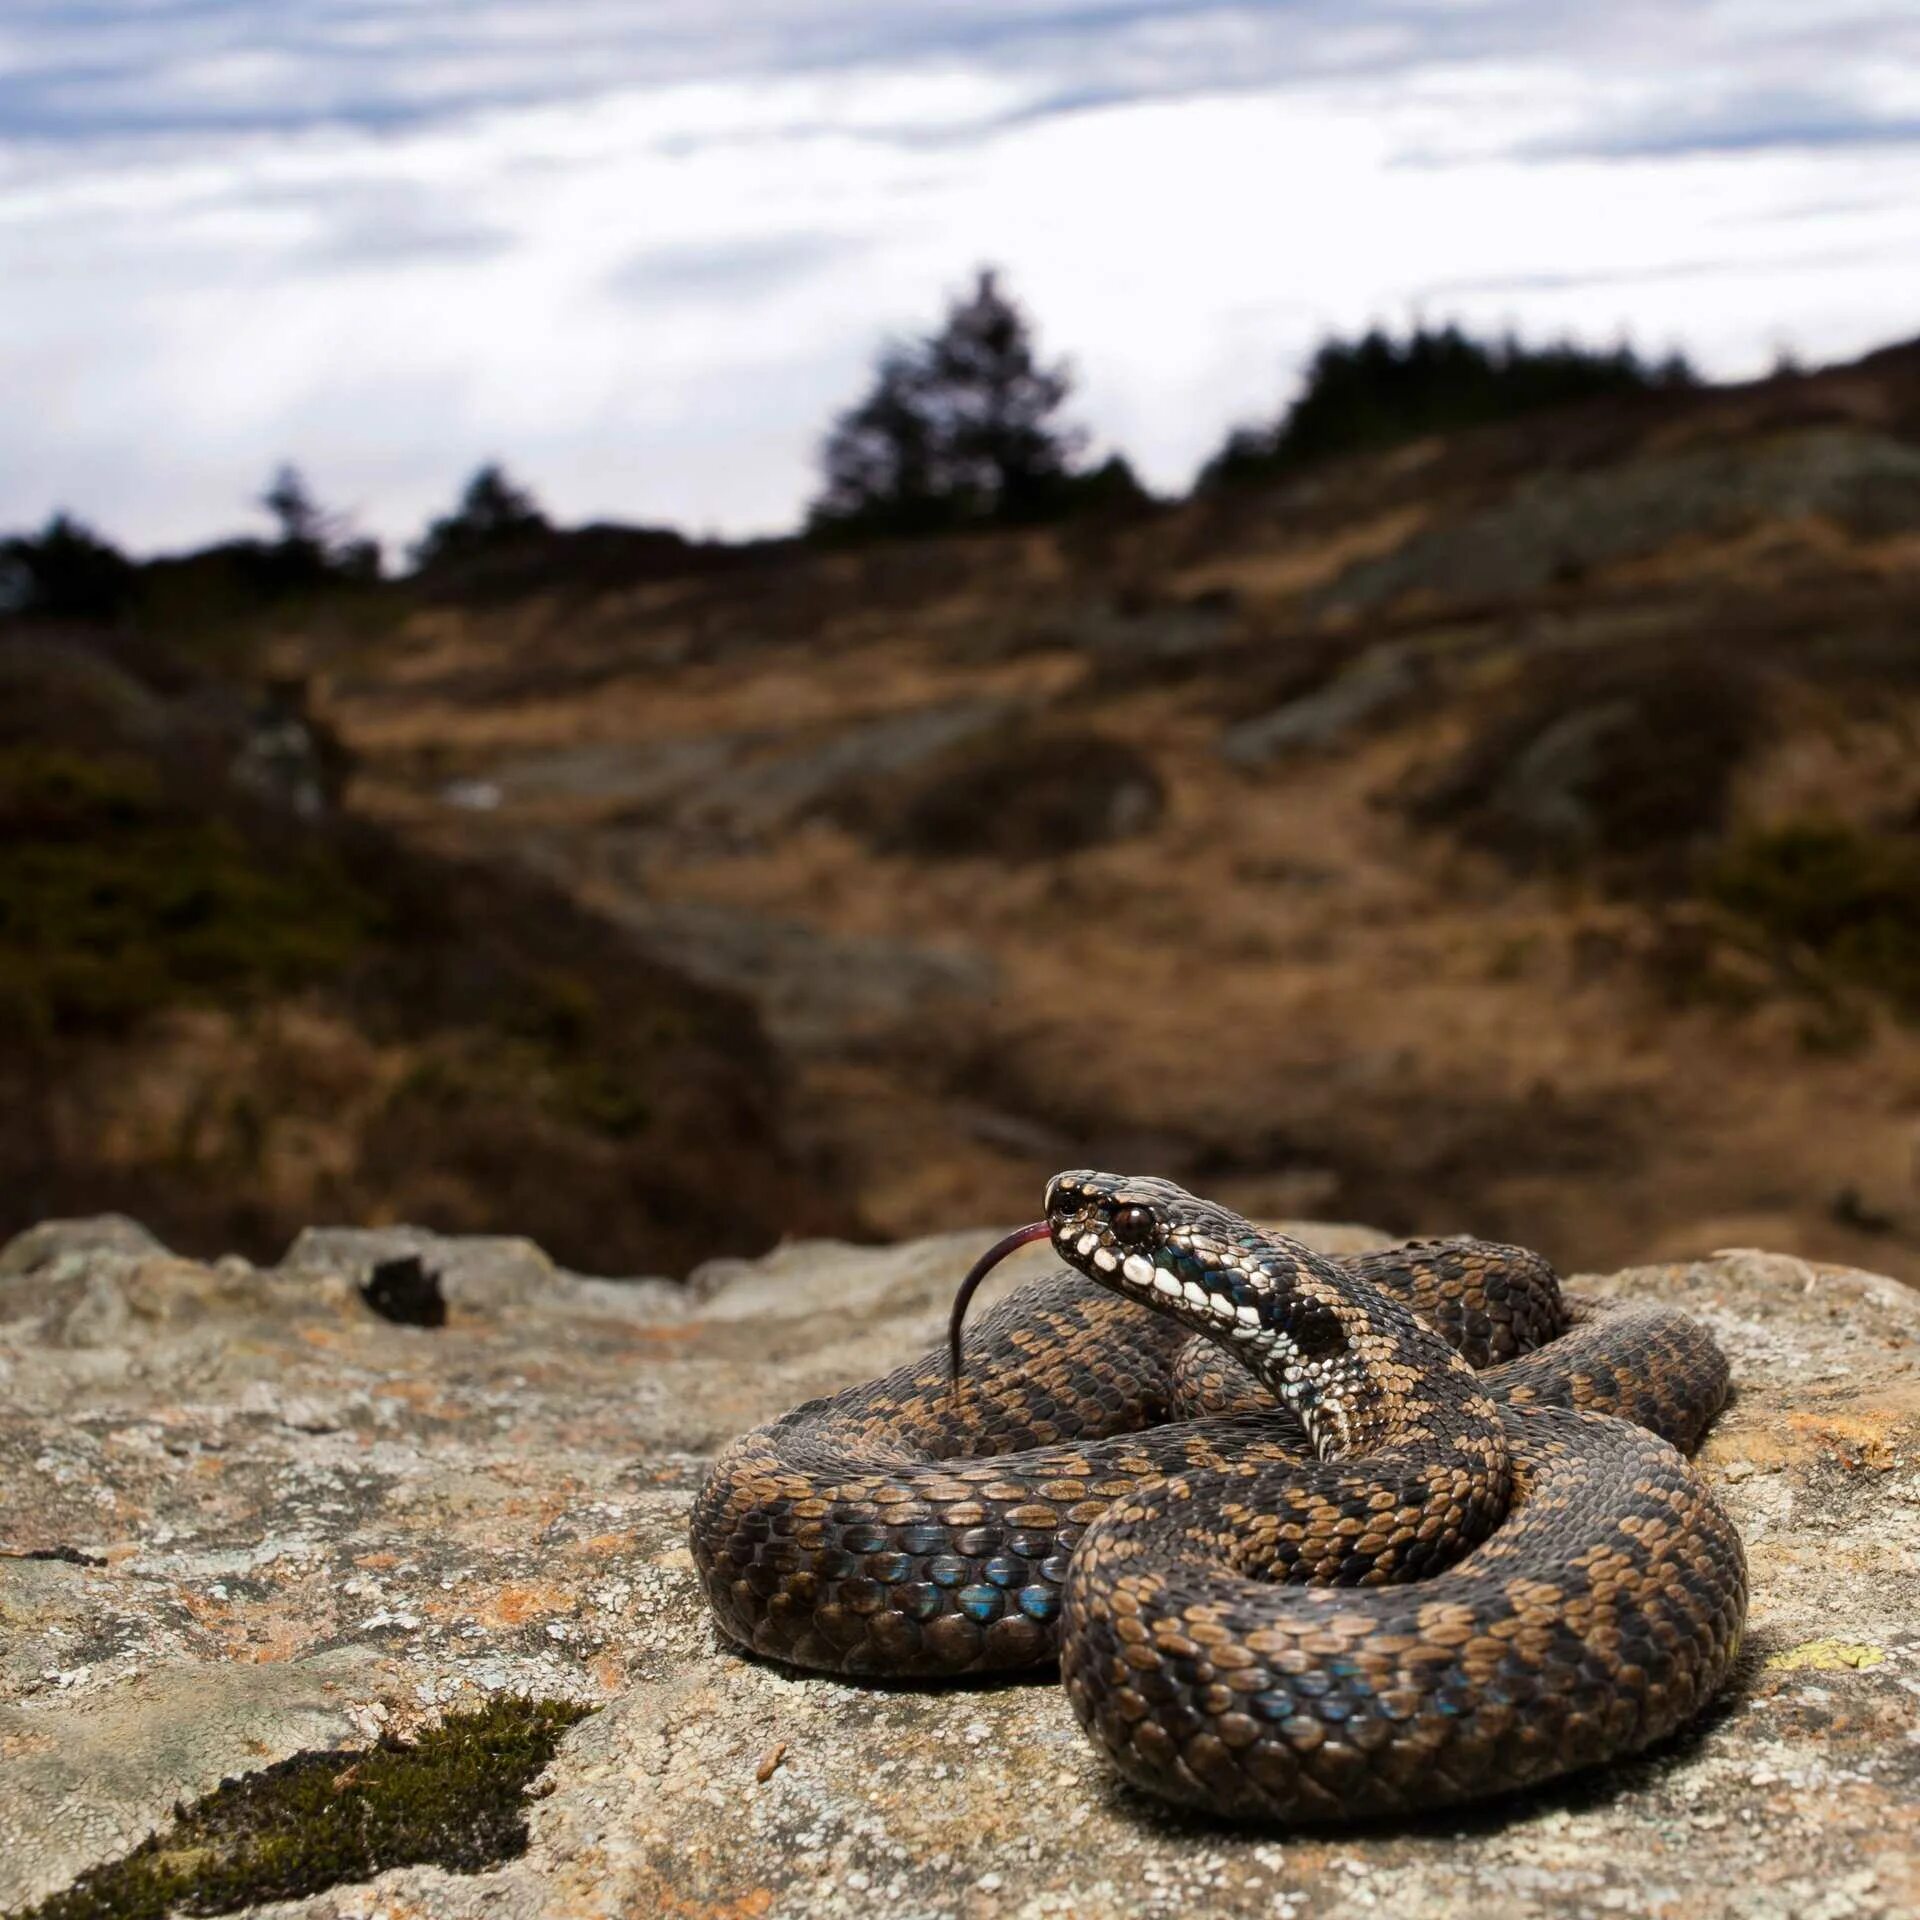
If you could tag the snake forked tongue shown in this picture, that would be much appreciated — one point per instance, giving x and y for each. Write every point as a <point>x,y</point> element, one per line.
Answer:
<point>1020,1237</point>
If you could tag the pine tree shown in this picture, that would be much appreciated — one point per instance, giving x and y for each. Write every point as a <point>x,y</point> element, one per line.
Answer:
<point>959,429</point>
<point>314,545</point>
<point>65,572</point>
<point>492,512</point>
<point>1376,391</point>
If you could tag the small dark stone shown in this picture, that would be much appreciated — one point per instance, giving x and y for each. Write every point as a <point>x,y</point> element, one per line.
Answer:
<point>405,1292</point>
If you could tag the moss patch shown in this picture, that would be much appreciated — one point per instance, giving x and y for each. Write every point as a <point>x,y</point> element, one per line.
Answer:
<point>454,1798</point>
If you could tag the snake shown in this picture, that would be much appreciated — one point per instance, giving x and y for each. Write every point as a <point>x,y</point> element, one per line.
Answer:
<point>1311,1539</point>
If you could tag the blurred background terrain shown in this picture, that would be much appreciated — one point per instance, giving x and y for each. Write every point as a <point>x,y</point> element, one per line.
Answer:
<point>1480,796</point>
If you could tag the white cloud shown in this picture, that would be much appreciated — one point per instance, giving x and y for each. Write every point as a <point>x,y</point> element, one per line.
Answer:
<point>392,241</point>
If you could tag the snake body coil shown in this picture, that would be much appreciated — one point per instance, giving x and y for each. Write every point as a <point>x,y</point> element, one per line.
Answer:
<point>1309,1566</point>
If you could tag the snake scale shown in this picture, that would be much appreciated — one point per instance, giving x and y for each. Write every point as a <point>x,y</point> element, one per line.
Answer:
<point>1311,1539</point>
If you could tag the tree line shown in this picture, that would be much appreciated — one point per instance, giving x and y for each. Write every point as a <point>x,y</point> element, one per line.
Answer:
<point>966,427</point>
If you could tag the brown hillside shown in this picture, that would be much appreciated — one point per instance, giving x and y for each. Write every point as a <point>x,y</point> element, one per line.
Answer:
<point>232,1012</point>
<point>1514,833</point>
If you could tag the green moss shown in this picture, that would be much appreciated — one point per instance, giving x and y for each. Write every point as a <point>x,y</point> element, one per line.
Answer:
<point>454,1798</point>
<point>1847,897</point>
<point>115,901</point>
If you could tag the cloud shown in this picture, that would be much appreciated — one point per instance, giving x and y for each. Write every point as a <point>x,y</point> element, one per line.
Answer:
<point>698,272</point>
<point>213,68</point>
<point>644,253</point>
<point>1722,268</point>
<point>1761,120</point>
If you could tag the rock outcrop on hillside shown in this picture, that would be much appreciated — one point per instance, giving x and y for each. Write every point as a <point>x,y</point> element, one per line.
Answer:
<point>245,1514</point>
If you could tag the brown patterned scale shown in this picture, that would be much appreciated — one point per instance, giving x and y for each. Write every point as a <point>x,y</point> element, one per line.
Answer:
<point>1310,1539</point>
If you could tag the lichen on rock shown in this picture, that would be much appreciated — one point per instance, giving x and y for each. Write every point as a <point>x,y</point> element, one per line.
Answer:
<point>244,1517</point>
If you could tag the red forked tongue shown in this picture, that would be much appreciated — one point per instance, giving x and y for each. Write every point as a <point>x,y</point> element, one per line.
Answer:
<point>1020,1237</point>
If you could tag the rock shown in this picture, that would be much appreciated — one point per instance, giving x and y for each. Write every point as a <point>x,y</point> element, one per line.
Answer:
<point>126,1754</point>
<point>55,1241</point>
<point>1029,794</point>
<point>254,1517</point>
<point>475,1270</point>
<point>815,993</point>
<point>1622,755</point>
<point>1559,524</point>
<point>1380,683</point>
<point>1139,632</point>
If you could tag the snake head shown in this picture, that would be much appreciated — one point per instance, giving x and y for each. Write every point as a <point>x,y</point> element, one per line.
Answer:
<point>1151,1241</point>
<point>1280,1309</point>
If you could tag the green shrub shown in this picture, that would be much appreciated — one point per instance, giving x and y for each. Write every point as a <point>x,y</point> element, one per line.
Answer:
<point>114,902</point>
<point>1848,897</point>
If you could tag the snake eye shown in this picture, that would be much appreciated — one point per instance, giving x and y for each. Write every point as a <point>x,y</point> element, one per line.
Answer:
<point>1132,1224</point>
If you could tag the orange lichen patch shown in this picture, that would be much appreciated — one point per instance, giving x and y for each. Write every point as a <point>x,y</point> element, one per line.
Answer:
<point>515,1606</point>
<point>376,1560</point>
<point>1874,1430</point>
<point>657,1895</point>
<point>285,1640</point>
<point>662,1336</point>
<point>1859,1439</point>
<point>215,1615</point>
<point>327,1339</point>
<point>603,1544</point>
<point>423,1397</point>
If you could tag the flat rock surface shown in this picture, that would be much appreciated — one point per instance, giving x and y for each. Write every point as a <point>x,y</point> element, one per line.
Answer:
<point>241,1516</point>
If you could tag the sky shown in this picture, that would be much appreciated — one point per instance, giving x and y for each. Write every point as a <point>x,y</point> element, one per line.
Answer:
<point>643,250</point>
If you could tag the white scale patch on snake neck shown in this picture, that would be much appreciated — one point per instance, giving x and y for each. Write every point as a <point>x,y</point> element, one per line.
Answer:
<point>1140,1270</point>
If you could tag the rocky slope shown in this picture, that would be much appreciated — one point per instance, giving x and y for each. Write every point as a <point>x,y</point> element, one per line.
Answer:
<point>1513,833</point>
<point>228,1006</point>
<point>249,1514</point>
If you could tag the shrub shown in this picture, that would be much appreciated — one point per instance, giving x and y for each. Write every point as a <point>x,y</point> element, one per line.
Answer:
<point>1618,758</point>
<point>1378,391</point>
<point>114,903</point>
<point>1024,797</point>
<point>1848,897</point>
<point>66,572</point>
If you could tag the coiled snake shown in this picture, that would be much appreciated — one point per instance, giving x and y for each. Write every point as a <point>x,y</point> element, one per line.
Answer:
<point>1309,1566</point>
